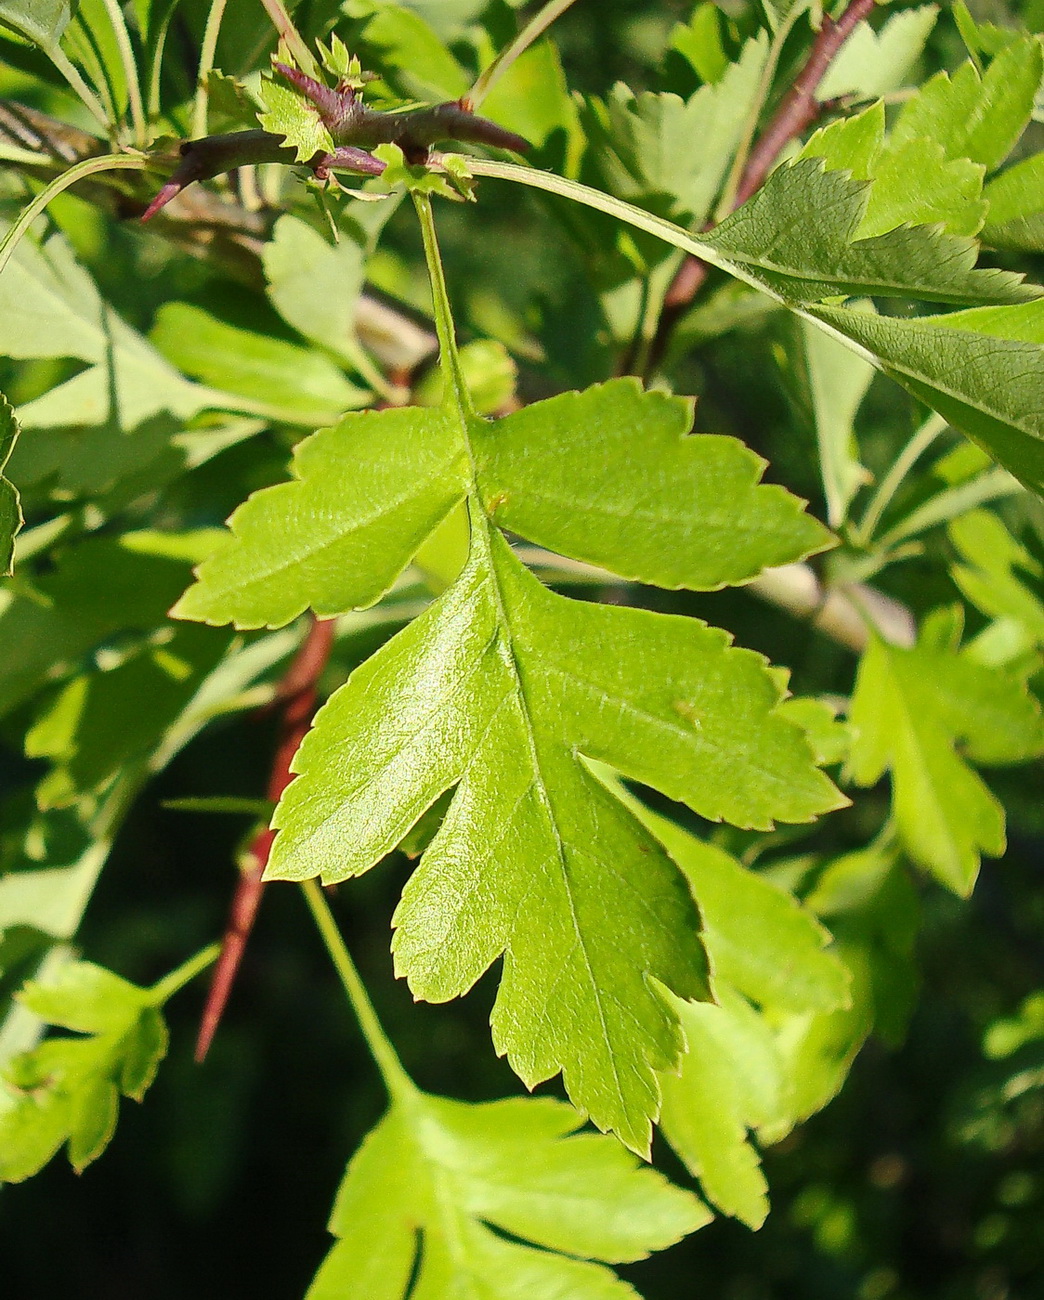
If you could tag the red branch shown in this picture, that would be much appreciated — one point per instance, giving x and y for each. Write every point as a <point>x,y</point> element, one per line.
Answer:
<point>798,110</point>
<point>297,693</point>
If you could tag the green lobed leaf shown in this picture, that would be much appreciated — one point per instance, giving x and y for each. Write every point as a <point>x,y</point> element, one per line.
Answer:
<point>659,144</point>
<point>68,1088</point>
<point>973,116</point>
<point>10,505</point>
<point>910,711</point>
<point>1016,214</point>
<point>288,114</point>
<point>429,1184</point>
<point>764,949</point>
<point>496,686</point>
<point>686,511</point>
<point>367,493</point>
<point>795,237</point>
<point>913,180</point>
<point>982,369</point>
<point>989,576</point>
<point>874,63</point>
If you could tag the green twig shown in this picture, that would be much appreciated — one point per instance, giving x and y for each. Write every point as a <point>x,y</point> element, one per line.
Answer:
<point>130,70</point>
<point>71,74</point>
<point>399,1084</point>
<point>103,163</point>
<point>448,355</point>
<point>177,979</point>
<point>951,502</point>
<point>206,66</point>
<point>291,37</point>
<point>890,484</point>
<point>532,31</point>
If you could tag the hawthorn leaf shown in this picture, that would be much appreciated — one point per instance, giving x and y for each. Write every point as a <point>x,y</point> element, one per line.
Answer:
<point>686,511</point>
<point>910,711</point>
<point>496,686</point>
<point>366,494</point>
<point>1015,219</point>
<point>437,1184</point>
<point>765,949</point>
<point>874,63</point>
<point>988,576</point>
<point>914,181</point>
<point>973,116</point>
<point>277,378</point>
<point>10,506</point>
<point>67,1090</point>
<point>290,115</point>
<point>795,236</point>
<point>982,369</point>
<point>659,144</point>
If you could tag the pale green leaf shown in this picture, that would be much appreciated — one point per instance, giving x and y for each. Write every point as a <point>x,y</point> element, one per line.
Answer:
<point>976,117</point>
<point>288,114</point>
<point>729,1082</point>
<point>99,587</point>
<point>532,98</point>
<point>40,21</point>
<point>279,379</point>
<point>67,1089</point>
<point>451,1172</point>
<point>988,576</point>
<point>982,369</point>
<point>761,941</point>
<point>685,512</point>
<point>1016,214</point>
<point>836,381</point>
<point>795,237</point>
<point>10,506</point>
<point>414,54</point>
<point>366,494</point>
<point>659,144</point>
<point>910,711</point>
<point>874,63</point>
<point>49,306</point>
<point>314,284</point>
<point>700,42</point>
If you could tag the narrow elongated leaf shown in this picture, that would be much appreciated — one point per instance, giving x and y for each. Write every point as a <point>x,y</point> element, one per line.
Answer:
<point>982,369</point>
<point>277,378</point>
<point>910,710</point>
<point>435,1176</point>
<point>10,508</point>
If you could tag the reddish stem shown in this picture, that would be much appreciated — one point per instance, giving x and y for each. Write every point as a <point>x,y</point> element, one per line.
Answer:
<point>797,110</point>
<point>298,695</point>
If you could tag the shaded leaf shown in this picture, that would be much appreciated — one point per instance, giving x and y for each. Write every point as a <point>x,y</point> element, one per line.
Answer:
<point>1016,214</point>
<point>10,507</point>
<point>910,711</point>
